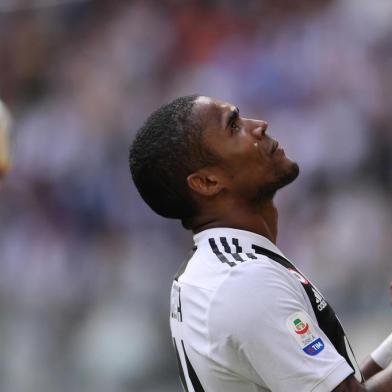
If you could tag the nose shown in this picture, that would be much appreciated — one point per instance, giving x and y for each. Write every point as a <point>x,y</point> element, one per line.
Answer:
<point>259,128</point>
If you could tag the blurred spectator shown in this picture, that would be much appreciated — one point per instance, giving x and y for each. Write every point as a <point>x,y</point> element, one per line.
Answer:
<point>86,267</point>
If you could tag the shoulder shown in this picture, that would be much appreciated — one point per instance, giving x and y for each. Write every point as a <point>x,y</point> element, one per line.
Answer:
<point>218,260</point>
<point>255,294</point>
<point>261,279</point>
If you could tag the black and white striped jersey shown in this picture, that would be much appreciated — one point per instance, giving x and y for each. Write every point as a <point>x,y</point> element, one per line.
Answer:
<point>244,318</point>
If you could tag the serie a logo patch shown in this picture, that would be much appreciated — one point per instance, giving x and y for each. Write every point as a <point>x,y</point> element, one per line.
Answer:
<point>302,329</point>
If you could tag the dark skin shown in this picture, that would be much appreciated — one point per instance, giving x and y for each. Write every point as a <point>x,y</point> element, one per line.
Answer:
<point>238,192</point>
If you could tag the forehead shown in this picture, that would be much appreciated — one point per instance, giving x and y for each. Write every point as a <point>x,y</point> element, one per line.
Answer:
<point>213,112</point>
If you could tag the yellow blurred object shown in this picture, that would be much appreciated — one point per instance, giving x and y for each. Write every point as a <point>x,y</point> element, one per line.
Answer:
<point>5,124</point>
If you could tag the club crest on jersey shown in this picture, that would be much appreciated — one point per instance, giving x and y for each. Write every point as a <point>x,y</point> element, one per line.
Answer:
<point>302,329</point>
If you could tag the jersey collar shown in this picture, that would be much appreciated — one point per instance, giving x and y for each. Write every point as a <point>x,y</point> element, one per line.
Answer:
<point>246,237</point>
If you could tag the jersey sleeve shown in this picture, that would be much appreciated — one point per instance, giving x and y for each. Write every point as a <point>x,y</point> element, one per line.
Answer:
<point>262,324</point>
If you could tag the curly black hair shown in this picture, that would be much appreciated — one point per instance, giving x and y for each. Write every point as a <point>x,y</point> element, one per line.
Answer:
<point>166,149</point>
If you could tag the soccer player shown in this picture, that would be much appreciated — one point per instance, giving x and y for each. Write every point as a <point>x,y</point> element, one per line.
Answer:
<point>4,140</point>
<point>243,318</point>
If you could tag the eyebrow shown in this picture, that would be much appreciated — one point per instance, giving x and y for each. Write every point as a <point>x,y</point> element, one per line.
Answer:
<point>234,114</point>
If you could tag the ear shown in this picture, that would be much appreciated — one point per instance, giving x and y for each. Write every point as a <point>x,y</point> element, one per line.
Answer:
<point>204,183</point>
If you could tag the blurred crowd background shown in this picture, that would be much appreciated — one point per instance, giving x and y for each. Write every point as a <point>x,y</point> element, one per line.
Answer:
<point>85,266</point>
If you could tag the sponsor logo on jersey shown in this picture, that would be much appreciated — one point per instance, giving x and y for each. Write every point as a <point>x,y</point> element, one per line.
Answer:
<point>321,302</point>
<point>302,329</point>
<point>315,347</point>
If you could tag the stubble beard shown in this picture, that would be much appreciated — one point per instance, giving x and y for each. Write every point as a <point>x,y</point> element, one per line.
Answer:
<point>268,191</point>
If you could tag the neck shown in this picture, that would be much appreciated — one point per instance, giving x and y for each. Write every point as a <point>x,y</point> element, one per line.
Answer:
<point>261,219</point>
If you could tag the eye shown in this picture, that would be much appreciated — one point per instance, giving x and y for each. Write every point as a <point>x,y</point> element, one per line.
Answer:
<point>234,127</point>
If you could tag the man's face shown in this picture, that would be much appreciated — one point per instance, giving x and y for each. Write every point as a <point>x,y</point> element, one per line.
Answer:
<point>251,163</point>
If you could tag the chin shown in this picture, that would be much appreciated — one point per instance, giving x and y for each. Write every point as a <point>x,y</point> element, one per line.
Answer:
<point>291,174</point>
<point>284,177</point>
<point>288,175</point>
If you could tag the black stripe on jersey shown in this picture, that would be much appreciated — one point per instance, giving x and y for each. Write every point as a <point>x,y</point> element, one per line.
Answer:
<point>227,249</point>
<point>179,308</point>
<point>238,248</point>
<point>219,254</point>
<point>272,255</point>
<point>326,317</point>
<point>238,257</point>
<point>225,244</point>
<point>181,370</point>
<point>192,374</point>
